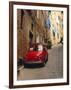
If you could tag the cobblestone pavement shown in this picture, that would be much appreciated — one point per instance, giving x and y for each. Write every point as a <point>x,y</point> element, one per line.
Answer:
<point>52,69</point>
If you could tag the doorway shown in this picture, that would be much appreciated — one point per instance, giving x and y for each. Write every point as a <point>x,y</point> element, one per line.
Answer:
<point>30,38</point>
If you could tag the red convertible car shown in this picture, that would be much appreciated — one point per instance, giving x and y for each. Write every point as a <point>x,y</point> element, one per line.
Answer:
<point>36,54</point>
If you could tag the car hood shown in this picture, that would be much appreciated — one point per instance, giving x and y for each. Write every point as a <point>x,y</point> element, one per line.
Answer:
<point>33,54</point>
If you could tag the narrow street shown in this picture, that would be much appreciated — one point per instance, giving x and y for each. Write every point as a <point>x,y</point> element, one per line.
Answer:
<point>52,69</point>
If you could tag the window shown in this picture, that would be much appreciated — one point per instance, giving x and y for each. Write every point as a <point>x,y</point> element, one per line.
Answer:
<point>53,33</point>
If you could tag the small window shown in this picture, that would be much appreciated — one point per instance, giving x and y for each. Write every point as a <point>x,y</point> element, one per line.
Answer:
<point>49,12</point>
<point>61,12</point>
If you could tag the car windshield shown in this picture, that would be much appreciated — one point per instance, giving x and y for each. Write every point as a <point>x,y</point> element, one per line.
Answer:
<point>36,48</point>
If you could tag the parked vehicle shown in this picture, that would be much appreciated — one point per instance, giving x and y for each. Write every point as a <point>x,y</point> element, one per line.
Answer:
<point>36,54</point>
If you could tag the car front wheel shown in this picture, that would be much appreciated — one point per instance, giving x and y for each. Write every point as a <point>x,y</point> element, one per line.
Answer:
<point>46,58</point>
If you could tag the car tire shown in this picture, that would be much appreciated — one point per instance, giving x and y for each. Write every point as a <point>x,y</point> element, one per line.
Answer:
<point>46,59</point>
<point>43,64</point>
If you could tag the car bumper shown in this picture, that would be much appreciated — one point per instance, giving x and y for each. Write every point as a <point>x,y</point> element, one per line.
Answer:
<point>33,62</point>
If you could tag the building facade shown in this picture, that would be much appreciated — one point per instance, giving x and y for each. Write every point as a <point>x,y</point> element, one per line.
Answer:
<point>56,18</point>
<point>31,29</point>
<point>38,26</point>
